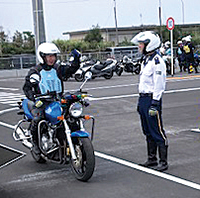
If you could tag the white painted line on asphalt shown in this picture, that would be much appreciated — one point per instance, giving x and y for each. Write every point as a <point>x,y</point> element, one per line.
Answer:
<point>7,125</point>
<point>8,110</point>
<point>15,159</point>
<point>149,171</point>
<point>11,89</point>
<point>196,130</point>
<point>136,95</point>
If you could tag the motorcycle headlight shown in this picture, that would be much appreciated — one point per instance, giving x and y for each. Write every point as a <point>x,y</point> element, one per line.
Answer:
<point>76,109</point>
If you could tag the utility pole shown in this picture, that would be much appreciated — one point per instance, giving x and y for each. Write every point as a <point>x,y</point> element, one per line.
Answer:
<point>117,39</point>
<point>160,20</point>
<point>182,10</point>
<point>38,20</point>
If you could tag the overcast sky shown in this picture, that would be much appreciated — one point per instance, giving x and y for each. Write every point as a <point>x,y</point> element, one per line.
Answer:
<point>73,15</point>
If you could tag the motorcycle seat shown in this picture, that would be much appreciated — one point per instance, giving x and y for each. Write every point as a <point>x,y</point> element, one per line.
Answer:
<point>108,62</point>
<point>99,66</point>
<point>102,66</point>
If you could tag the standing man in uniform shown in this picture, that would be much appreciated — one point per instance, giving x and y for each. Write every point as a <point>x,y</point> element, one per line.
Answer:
<point>151,87</point>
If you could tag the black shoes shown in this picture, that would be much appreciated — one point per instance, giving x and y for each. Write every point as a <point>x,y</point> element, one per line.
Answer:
<point>162,166</point>
<point>149,163</point>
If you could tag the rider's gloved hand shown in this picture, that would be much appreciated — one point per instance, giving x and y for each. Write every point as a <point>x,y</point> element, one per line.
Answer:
<point>38,103</point>
<point>153,110</point>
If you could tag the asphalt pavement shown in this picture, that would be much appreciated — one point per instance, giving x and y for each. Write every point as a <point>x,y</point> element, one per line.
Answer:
<point>118,142</point>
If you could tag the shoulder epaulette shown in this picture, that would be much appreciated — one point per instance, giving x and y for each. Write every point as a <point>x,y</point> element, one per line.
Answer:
<point>157,61</point>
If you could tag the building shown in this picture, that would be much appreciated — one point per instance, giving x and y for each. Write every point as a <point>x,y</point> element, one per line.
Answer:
<point>109,34</point>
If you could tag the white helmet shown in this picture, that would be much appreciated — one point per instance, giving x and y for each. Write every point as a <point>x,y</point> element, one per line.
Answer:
<point>179,42</point>
<point>46,49</point>
<point>150,39</point>
<point>167,44</point>
<point>187,38</point>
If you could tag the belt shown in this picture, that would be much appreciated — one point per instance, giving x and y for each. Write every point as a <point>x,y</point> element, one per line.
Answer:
<point>145,94</point>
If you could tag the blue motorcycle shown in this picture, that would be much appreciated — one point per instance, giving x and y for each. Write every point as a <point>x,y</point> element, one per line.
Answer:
<point>61,135</point>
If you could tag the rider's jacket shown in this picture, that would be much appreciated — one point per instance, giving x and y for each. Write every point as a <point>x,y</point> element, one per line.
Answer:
<point>188,49</point>
<point>50,79</point>
<point>153,75</point>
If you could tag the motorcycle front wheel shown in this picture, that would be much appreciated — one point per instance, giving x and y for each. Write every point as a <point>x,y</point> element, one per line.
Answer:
<point>37,157</point>
<point>83,166</point>
<point>79,77</point>
<point>137,71</point>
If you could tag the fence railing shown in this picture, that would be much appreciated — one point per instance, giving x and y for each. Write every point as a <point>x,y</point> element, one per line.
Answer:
<point>21,62</point>
<point>17,62</point>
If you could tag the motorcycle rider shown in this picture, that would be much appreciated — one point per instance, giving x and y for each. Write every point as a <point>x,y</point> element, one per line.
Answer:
<point>68,69</point>
<point>180,55</point>
<point>44,77</point>
<point>151,86</point>
<point>189,54</point>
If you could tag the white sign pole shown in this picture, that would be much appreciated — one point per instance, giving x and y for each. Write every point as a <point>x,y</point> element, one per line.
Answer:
<point>172,62</point>
<point>170,27</point>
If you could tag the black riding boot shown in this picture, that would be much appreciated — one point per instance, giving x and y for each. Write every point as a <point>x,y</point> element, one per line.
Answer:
<point>33,130</point>
<point>163,165</point>
<point>151,151</point>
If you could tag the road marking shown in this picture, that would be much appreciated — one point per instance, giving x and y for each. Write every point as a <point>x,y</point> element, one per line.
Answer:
<point>8,110</point>
<point>136,95</point>
<point>105,87</point>
<point>22,154</point>
<point>10,89</point>
<point>130,164</point>
<point>10,98</point>
<point>148,170</point>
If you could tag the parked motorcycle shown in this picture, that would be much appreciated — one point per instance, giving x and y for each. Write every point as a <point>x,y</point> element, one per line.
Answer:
<point>62,136</point>
<point>128,65</point>
<point>98,69</point>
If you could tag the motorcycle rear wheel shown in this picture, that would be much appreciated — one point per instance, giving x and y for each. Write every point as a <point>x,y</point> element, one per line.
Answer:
<point>119,70</point>
<point>83,167</point>
<point>108,76</point>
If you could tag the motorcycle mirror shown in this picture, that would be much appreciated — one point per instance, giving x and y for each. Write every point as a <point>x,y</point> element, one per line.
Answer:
<point>88,75</point>
<point>34,78</point>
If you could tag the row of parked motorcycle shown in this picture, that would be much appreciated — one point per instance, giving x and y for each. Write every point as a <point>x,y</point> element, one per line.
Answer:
<point>78,67</point>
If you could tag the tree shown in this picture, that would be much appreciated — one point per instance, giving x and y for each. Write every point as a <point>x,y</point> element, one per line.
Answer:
<point>28,42</point>
<point>125,42</point>
<point>3,39</point>
<point>18,39</point>
<point>94,37</point>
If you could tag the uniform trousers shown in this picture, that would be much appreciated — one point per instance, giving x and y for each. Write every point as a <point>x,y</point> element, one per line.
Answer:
<point>152,126</point>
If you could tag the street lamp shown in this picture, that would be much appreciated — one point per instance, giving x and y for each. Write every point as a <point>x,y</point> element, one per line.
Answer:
<point>182,10</point>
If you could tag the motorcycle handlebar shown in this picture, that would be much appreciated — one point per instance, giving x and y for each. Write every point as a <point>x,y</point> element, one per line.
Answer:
<point>48,95</point>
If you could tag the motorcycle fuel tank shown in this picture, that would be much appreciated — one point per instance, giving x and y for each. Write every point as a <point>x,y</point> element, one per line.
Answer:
<point>52,111</point>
